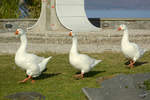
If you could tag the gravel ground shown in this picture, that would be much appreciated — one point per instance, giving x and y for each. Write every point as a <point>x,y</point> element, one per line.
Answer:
<point>60,42</point>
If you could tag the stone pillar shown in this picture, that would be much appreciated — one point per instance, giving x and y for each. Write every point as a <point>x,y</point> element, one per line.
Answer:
<point>48,20</point>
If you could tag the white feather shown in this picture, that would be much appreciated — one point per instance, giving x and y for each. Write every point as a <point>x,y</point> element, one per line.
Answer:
<point>81,61</point>
<point>130,50</point>
<point>32,63</point>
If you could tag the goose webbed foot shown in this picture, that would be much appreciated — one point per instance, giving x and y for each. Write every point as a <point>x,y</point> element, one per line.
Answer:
<point>131,65</point>
<point>79,76</point>
<point>33,81</point>
<point>26,79</point>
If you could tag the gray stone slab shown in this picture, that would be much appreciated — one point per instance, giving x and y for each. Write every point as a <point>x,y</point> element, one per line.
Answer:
<point>120,81</point>
<point>113,94</point>
<point>121,87</point>
<point>125,81</point>
<point>26,96</point>
<point>140,77</point>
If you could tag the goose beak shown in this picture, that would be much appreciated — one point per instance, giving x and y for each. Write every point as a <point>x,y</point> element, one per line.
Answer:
<point>17,32</point>
<point>119,29</point>
<point>70,34</point>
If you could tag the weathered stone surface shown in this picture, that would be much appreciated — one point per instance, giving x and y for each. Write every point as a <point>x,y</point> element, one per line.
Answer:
<point>60,42</point>
<point>125,81</point>
<point>105,23</point>
<point>121,87</point>
<point>26,96</point>
<point>112,94</point>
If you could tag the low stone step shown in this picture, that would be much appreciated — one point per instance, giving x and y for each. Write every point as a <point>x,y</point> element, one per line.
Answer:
<point>95,42</point>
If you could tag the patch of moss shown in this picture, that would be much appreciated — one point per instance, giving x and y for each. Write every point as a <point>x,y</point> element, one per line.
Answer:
<point>147,84</point>
<point>126,86</point>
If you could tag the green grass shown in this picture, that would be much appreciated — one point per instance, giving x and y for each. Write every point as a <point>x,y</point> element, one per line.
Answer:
<point>57,82</point>
<point>147,84</point>
<point>10,8</point>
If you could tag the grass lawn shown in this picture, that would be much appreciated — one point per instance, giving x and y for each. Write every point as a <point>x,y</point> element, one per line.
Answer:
<point>57,83</point>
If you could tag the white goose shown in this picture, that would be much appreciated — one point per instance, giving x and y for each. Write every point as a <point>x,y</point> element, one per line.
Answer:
<point>80,61</point>
<point>34,65</point>
<point>130,50</point>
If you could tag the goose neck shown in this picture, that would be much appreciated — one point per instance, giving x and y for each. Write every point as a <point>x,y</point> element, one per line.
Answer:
<point>125,35</point>
<point>74,45</point>
<point>23,43</point>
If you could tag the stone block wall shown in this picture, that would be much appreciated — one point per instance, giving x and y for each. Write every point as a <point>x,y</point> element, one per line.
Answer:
<point>11,25</point>
<point>60,42</point>
<point>113,23</point>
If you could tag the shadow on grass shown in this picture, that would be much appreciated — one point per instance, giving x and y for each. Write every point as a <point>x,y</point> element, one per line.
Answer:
<point>140,63</point>
<point>136,63</point>
<point>46,75</point>
<point>91,73</point>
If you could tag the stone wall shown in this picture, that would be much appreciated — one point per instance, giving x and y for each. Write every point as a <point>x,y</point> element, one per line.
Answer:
<point>10,25</point>
<point>112,23</point>
<point>60,42</point>
<point>7,25</point>
<point>136,23</point>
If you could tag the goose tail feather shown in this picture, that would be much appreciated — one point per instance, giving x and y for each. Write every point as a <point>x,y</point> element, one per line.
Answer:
<point>43,63</point>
